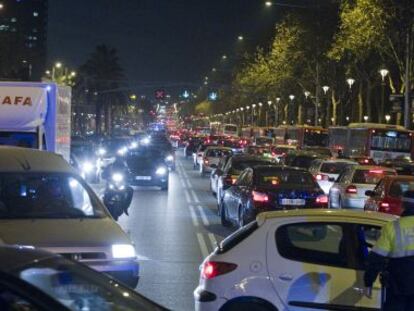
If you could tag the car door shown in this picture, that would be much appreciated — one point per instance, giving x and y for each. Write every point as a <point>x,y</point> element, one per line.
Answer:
<point>372,202</point>
<point>339,186</point>
<point>235,191</point>
<point>316,265</point>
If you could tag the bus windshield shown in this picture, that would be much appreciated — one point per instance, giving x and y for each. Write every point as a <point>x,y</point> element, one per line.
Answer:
<point>391,140</point>
<point>315,138</point>
<point>19,139</point>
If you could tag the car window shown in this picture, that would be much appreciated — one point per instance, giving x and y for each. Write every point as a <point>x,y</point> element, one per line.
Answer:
<point>333,167</point>
<point>398,187</point>
<point>218,153</point>
<point>79,288</point>
<point>276,178</point>
<point>372,176</point>
<point>318,243</point>
<point>380,188</point>
<point>38,195</point>
<point>346,176</point>
<point>366,237</point>
<point>241,180</point>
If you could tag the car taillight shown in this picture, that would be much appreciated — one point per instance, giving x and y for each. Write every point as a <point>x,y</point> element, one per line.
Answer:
<point>205,161</point>
<point>322,177</point>
<point>260,197</point>
<point>230,180</point>
<point>351,189</point>
<point>385,205</point>
<point>322,199</point>
<point>212,269</point>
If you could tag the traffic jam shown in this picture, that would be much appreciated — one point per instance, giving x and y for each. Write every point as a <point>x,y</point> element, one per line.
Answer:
<point>291,211</point>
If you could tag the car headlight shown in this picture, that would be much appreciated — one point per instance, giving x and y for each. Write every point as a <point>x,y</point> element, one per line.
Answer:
<point>161,171</point>
<point>145,141</point>
<point>169,158</point>
<point>122,151</point>
<point>117,177</point>
<point>123,251</point>
<point>133,145</point>
<point>87,167</point>
<point>101,151</point>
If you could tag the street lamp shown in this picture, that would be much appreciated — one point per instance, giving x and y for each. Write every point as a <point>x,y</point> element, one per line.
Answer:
<point>366,118</point>
<point>1,6</point>
<point>58,65</point>
<point>269,102</point>
<point>383,73</point>
<point>350,82</point>
<point>387,118</point>
<point>224,57</point>
<point>325,89</point>
<point>73,74</point>
<point>307,94</point>
<point>268,4</point>
<point>276,106</point>
<point>240,38</point>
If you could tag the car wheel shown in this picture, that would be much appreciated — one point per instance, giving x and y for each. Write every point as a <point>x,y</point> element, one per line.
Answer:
<point>241,220</point>
<point>223,215</point>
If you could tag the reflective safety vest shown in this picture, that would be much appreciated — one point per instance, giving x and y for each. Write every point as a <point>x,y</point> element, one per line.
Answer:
<point>397,239</point>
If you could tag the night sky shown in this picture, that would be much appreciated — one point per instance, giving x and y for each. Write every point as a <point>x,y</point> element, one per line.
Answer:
<point>157,40</point>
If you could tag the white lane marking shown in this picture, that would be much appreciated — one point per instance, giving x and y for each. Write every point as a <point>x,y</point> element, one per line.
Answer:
<point>195,196</point>
<point>183,183</point>
<point>213,240</point>
<point>202,244</point>
<point>193,216</point>
<point>187,196</point>
<point>203,215</point>
<point>188,184</point>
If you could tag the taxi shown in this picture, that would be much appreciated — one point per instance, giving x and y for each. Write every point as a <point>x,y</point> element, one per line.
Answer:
<point>293,260</point>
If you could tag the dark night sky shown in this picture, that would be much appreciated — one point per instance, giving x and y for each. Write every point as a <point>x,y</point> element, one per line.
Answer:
<point>158,40</point>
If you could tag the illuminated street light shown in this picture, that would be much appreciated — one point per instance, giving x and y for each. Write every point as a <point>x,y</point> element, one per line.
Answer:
<point>247,107</point>
<point>1,6</point>
<point>292,97</point>
<point>366,118</point>
<point>383,73</point>
<point>240,38</point>
<point>254,106</point>
<point>350,82</point>
<point>269,102</point>
<point>73,74</point>
<point>325,89</point>
<point>58,65</point>
<point>387,118</point>
<point>224,57</point>
<point>277,99</point>
<point>47,72</point>
<point>260,104</point>
<point>268,4</point>
<point>133,97</point>
<point>214,70</point>
<point>307,94</point>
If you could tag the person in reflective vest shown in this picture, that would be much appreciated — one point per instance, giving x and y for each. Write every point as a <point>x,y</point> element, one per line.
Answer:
<point>393,254</point>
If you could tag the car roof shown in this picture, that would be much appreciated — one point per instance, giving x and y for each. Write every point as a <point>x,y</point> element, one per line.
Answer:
<point>399,177</point>
<point>247,157</point>
<point>13,257</point>
<point>373,167</point>
<point>338,161</point>
<point>16,159</point>
<point>279,167</point>
<point>326,213</point>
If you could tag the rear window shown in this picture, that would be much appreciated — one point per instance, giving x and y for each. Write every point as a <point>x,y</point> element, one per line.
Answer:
<point>218,153</point>
<point>278,178</point>
<point>371,177</point>
<point>237,237</point>
<point>242,165</point>
<point>398,188</point>
<point>302,161</point>
<point>333,168</point>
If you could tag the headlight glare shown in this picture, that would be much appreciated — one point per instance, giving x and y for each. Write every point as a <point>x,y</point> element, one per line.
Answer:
<point>101,151</point>
<point>161,171</point>
<point>123,251</point>
<point>117,177</point>
<point>169,158</point>
<point>87,167</point>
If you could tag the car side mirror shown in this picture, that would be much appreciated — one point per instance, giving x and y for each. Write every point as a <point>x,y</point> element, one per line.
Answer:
<point>370,193</point>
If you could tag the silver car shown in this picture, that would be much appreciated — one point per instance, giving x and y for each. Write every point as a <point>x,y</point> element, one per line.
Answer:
<point>349,190</point>
<point>45,204</point>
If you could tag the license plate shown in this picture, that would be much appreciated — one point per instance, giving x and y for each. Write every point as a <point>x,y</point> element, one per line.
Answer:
<point>295,202</point>
<point>143,178</point>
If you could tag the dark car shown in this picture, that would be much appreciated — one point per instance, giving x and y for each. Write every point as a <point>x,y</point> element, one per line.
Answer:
<point>403,166</point>
<point>302,159</point>
<point>147,168</point>
<point>233,168</point>
<point>192,145</point>
<point>36,280</point>
<point>265,188</point>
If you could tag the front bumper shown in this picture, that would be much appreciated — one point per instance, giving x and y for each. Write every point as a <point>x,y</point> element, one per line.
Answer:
<point>125,271</point>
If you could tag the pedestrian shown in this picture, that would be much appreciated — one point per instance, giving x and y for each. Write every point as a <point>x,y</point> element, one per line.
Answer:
<point>393,257</point>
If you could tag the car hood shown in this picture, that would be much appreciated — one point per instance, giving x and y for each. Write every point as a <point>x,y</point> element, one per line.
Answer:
<point>62,232</point>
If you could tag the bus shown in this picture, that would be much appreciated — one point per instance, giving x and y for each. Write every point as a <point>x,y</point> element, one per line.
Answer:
<point>301,136</point>
<point>224,129</point>
<point>377,141</point>
<point>255,131</point>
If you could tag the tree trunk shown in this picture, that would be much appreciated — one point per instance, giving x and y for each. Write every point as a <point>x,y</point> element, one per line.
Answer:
<point>360,103</point>
<point>368,101</point>
<point>98,123</point>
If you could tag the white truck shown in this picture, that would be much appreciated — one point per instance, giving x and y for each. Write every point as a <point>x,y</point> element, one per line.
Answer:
<point>36,115</point>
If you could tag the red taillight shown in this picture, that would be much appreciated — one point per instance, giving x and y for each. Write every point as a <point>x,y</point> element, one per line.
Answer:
<point>230,180</point>
<point>351,189</point>
<point>385,205</point>
<point>260,197</point>
<point>211,269</point>
<point>322,199</point>
<point>366,161</point>
<point>376,171</point>
<point>322,177</point>
<point>206,161</point>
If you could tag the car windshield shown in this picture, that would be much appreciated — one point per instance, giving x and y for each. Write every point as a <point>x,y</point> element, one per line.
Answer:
<point>218,153</point>
<point>277,178</point>
<point>398,187</point>
<point>144,154</point>
<point>115,145</point>
<point>370,176</point>
<point>45,195</point>
<point>333,167</point>
<point>79,288</point>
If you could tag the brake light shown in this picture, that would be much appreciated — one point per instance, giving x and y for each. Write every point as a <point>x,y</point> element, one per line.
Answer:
<point>212,269</point>
<point>322,199</point>
<point>322,177</point>
<point>366,161</point>
<point>205,161</point>
<point>376,171</point>
<point>351,189</point>
<point>385,205</point>
<point>230,180</point>
<point>260,197</point>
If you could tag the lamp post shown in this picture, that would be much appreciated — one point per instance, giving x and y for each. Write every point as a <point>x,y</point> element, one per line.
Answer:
<point>325,89</point>
<point>253,111</point>
<point>292,98</point>
<point>387,118</point>
<point>269,102</point>
<point>307,94</point>
<point>268,4</point>
<point>260,104</point>
<point>277,111</point>
<point>247,114</point>
<point>57,65</point>
<point>383,73</point>
<point>242,113</point>
<point>350,82</point>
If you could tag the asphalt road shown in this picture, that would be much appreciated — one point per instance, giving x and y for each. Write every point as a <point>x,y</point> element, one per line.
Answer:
<point>173,232</point>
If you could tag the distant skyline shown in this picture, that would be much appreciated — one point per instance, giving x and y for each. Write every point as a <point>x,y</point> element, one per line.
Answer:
<point>157,40</point>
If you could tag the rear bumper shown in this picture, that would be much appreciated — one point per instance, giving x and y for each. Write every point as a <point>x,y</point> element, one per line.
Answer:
<point>155,181</point>
<point>125,271</point>
<point>206,300</point>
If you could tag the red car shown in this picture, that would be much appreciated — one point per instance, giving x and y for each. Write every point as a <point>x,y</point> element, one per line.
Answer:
<point>386,197</point>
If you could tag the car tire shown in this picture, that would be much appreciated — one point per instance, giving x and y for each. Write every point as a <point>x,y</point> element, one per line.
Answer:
<point>223,215</point>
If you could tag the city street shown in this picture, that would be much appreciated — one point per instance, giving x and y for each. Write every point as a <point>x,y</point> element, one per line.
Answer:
<point>173,232</point>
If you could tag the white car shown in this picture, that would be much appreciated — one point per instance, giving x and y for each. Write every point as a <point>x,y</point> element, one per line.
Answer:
<point>349,189</point>
<point>293,260</point>
<point>198,155</point>
<point>44,203</point>
<point>211,158</point>
<point>326,171</point>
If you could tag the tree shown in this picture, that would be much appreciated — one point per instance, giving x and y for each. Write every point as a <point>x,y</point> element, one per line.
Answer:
<point>101,77</point>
